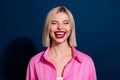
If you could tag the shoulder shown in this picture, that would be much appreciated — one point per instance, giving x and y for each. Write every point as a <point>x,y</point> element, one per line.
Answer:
<point>36,58</point>
<point>83,56</point>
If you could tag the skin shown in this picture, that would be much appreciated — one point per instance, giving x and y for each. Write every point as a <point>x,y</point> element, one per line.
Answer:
<point>60,51</point>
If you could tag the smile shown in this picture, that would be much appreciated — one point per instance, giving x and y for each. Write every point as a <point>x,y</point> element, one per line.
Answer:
<point>59,34</point>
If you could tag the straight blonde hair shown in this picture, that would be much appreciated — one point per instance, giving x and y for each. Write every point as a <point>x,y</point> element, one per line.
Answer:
<point>46,40</point>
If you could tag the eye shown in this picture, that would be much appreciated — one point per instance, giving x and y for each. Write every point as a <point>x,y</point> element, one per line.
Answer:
<point>53,23</point>
<point>66,22</point>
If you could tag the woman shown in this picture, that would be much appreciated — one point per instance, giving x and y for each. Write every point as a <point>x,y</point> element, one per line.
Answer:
<point>60,61</point>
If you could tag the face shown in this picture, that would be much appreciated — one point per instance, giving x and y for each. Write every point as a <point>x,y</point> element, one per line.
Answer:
<point>60,28</point>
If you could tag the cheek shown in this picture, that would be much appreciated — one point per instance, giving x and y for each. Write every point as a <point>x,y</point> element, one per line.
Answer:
<point>68,29</point>
<point>52,28</point>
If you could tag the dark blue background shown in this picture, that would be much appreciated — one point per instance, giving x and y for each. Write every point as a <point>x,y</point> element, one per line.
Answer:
<point>97,32</point>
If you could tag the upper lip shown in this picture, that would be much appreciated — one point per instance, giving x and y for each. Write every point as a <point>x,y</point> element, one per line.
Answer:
<point>59,32</point>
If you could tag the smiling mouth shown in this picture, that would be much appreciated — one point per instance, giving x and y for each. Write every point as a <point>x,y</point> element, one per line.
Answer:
<point>60,34</point>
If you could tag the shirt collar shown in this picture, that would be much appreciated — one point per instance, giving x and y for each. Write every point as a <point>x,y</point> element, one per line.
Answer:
<point>76,54</point>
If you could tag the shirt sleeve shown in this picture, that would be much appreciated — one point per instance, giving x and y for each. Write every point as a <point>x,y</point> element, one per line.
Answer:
<point>92,71</point>
<point>31,73</point>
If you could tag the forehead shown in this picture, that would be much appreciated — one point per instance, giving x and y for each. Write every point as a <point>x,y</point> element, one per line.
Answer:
<point>60,16</point>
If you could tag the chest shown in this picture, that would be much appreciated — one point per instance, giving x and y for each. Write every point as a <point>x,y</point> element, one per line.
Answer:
<point>69,71</point>
<point>60,65</point>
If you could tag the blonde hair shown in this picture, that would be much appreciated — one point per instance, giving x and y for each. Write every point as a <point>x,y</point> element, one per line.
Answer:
<point>46,40</point>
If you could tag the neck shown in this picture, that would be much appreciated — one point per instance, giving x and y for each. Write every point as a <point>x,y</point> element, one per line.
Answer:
<point>60,50</point>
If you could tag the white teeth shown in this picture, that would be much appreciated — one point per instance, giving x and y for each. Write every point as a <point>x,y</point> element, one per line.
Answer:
<point>60,33</point>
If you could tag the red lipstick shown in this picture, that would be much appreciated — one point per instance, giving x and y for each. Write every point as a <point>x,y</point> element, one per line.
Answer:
<point>59,34</point>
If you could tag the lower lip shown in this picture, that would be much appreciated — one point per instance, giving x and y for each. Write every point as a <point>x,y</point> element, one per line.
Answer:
<point>59,36</point>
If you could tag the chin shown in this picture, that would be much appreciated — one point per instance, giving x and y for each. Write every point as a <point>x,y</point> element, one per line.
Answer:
<point>60,41</point>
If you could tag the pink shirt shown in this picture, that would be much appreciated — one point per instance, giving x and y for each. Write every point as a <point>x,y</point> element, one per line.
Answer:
<point>81,67</point>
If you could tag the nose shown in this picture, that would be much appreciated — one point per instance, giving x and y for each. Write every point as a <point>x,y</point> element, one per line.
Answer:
<point>60,27</point>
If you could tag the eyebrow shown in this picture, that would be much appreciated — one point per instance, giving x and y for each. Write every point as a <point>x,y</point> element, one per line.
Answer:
<point>66,21</point>
<point>54,21</point>
<point>57,21</point>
